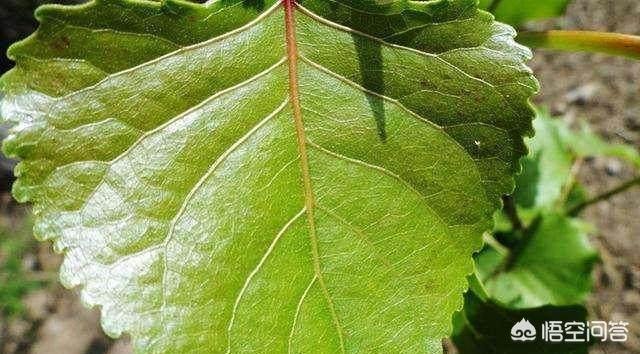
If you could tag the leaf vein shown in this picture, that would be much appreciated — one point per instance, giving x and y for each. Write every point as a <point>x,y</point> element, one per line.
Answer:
<point>298,309</point>
<point>183,49</point>
<point>172,120</point>
<point>380,169</point>
<point>269,250</point>
<point>358,231</point>
<point>198,185</point>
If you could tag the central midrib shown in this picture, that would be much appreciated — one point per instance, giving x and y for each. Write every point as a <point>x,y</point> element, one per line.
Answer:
<point>309,197</point>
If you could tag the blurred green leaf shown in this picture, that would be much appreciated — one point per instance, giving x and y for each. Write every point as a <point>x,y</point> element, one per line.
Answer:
<point>577,195</point>
<point>547,168</point>
<point>516,12</point>
<point>550,264</point>
<point>586,143</point>
<point>15,241</point>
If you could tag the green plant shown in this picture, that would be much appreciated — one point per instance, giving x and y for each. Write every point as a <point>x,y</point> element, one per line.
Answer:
<point>270,177</point>
<point>537,263</point>
<point>517,12</point>
<point>15,240</point>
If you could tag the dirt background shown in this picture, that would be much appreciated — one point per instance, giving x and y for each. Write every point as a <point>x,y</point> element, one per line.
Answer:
<point>597,88</point>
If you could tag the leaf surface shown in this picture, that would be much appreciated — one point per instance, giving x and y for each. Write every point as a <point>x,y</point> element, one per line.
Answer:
<point>222,182</point>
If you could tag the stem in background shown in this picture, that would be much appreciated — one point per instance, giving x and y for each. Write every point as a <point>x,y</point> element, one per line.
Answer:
<point>571,182</point>
<point>624,45</point>
<point>511,254</point>
<point>495,244</point>
<point>527,235</point>
<point>606,195</point>
<point>493,6</point>
<point>512,212</point>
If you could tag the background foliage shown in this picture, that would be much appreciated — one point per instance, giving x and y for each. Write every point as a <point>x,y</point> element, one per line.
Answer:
<point>530,206</point>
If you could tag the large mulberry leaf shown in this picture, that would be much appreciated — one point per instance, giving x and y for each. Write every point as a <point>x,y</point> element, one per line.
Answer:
<point>234,177</point>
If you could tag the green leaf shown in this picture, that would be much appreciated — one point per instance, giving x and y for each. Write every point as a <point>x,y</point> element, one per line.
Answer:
<point>551,264</point>
<point>484,327</point>
<point>586,143</point>
<point>205,198</point>
<point>15,243</point>
<point>517,12</point>
<point>547,168</point>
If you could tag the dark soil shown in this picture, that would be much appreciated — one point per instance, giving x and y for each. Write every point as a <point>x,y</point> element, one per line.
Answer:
<point>597,88</point>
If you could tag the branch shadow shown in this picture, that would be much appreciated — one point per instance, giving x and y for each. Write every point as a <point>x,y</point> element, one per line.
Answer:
<point>371,70</point>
